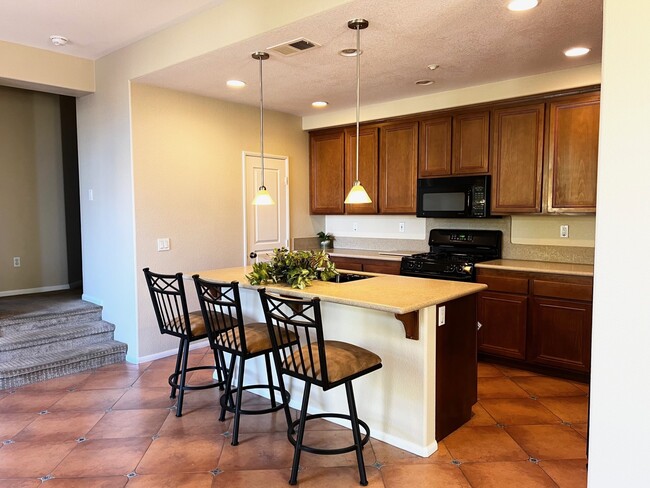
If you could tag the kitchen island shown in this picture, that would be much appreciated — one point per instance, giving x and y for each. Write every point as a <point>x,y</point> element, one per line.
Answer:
<point>428,381</point>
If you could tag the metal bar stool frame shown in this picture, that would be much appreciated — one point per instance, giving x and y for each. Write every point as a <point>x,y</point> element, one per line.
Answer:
<point>227,332</point>
<point>169,301</point>
<point>302,318</point>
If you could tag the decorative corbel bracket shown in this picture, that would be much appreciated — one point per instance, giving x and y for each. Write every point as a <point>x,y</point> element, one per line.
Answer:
<point>411,324</point>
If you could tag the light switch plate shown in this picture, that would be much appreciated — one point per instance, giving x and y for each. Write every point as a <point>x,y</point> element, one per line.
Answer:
<point>163,244</point>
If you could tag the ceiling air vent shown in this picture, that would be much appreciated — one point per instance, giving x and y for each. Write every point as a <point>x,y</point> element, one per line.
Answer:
<point>293,47</point>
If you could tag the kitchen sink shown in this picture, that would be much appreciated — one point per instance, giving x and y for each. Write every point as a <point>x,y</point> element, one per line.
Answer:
<point>347,277</point>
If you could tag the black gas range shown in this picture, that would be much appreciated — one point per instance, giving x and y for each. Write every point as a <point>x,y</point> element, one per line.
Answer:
<point>453,253</point>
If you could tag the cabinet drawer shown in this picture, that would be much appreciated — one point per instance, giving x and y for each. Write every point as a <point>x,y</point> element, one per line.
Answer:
<point>570,291</point>
<point>505,284</point>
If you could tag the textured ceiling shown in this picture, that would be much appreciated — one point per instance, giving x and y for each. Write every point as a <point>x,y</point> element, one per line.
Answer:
<point>93,27</point>
<point>473,41</point>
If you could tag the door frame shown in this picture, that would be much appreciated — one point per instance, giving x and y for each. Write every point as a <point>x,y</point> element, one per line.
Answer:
<point>244,202</point>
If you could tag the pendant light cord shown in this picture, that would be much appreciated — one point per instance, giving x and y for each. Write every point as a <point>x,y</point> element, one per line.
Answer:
<point>358,97</point>
<point>262,119</point>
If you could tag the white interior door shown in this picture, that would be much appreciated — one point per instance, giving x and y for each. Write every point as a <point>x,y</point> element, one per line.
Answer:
<point>267,226</point>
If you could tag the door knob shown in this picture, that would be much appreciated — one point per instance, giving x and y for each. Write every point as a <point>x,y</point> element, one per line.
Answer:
<point>252,255</point>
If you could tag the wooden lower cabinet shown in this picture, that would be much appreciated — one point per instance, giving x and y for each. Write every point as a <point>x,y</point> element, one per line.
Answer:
<point>561,333</point>
<point>540,322</point>
<point>368,265</point>
<point>503,319</point>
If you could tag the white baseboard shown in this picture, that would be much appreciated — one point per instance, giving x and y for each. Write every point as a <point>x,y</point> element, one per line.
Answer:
<point>89,298</point>
<point>29,291</point>
<point>164,354</point>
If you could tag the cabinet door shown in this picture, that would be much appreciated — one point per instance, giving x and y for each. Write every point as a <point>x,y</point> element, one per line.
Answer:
<point>398,166</point>
<point>561,334</point>
<point>381,266</point>
<point>517,149</point>
<point>471,137</point>
<point>368,166</point>
<point>573,154</point>
<point>351,264</point>
<point>435,147</point>
<point>503,318</point>
<point>326,172</point>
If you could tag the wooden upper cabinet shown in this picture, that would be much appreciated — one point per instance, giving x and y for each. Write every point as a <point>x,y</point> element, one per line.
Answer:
<point>573,153</point>
<point>435,147</point>
<point>517,159</point>
<point>398,168</point>
<point>327,163</point>
<point>471,137</point>
<point>368,167</point>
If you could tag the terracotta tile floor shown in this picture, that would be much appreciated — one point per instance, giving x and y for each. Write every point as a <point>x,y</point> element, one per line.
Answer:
<point>116,427</point>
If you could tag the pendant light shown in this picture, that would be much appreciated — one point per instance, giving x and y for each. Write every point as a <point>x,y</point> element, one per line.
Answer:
<point>358,193</point>
<point>262,196</point>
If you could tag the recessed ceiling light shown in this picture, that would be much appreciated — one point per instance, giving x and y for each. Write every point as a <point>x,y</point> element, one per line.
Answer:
<point>349,52</point>
<point>319,104</point>
<point>433,66</point>
<point>521,5</point>
<point>59,40</point>
<point>235,83</point>
<point>576,51</point>
<point>424,82</point>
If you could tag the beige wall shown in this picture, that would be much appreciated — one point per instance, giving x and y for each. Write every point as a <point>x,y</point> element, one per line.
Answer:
<point>187,177</point>
<point>38,69</point>
<point>32,218</point>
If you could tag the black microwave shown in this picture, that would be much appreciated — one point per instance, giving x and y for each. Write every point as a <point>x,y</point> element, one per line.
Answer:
<point>454,197</point>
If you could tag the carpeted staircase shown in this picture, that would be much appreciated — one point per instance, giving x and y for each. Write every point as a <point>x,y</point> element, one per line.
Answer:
<point>48,335</point>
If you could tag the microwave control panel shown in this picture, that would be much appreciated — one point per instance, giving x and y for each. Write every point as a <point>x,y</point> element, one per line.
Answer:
<point>478,201</point>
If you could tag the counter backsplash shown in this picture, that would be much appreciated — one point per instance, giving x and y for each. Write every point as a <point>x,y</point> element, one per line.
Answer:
<point>558,254</point>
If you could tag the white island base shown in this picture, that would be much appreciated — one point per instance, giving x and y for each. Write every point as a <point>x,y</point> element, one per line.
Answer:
<point>398,402</point>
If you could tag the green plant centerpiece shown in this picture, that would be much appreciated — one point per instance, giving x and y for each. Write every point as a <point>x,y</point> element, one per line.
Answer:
<point>296,268</point>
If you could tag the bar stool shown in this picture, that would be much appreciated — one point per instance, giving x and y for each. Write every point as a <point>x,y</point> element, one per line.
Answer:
<point>168,297</point>
<point>227,332</point>
<point>316,361</point>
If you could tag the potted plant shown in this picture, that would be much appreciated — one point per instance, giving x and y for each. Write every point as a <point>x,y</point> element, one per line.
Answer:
<point>296,268</point>
<point>326,240</point>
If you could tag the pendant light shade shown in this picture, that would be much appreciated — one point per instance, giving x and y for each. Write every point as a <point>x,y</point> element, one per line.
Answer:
<point>262,196</point>
<point>358,193</point>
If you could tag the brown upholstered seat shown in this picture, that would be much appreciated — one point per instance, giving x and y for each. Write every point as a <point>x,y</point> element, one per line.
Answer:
<point>197,325</point>
<point>257,338</point>
<point>170,305</point>
<point>316,361</point>
<point>343,360</point>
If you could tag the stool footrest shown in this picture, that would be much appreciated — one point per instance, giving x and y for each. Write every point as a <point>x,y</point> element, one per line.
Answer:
<point>316,450</point>
<point>230,406</point>
<point>173,380</point>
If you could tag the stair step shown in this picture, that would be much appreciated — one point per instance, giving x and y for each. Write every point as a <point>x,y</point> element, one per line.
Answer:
<point>52,339</point>
<point>87,312</point>
<point>26,370</point>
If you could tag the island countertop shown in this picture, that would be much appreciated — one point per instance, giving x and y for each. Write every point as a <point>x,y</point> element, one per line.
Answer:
<point>387,293</point>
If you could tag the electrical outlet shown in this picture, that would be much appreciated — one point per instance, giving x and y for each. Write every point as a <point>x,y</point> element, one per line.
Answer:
<point>163,244</point>
<point>355,227</point>
<point>91,195</point>
<point>564,231</point>
<point>16,262</point>
<point>401,226</point>
<point>441,315</point>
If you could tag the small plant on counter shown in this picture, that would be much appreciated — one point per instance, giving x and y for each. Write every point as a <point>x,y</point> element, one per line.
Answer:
<point>296,268</point>
<point>326,239</point>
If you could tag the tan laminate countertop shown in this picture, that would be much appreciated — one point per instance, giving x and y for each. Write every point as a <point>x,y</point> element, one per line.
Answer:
<point>539,267</point>
<point>387,293</point>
